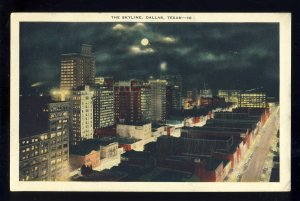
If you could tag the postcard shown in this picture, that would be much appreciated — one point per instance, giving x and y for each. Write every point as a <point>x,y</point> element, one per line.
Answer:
<point>150,102</point>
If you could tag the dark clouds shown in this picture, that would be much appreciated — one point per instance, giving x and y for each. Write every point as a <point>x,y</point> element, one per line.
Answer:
<point>224,55</point>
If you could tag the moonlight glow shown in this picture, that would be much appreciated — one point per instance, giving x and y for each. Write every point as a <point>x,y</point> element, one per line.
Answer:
<point>163,66</point>
<point>144,41</point>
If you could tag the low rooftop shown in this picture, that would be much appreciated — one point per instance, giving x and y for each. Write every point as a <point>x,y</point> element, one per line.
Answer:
<point>216,129</point>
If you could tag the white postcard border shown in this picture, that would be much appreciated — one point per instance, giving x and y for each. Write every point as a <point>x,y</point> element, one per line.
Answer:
<point>284,19</point>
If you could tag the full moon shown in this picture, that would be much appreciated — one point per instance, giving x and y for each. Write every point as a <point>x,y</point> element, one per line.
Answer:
<point>144,41</point>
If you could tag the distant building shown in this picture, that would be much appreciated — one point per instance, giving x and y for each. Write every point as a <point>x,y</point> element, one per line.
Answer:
<point>205,93</point>
<point>44,141</point>
<point>158,100</point>
<point>146,102</point>
<point>230,95</point>
<point>103,107</point>
<point>173,91</point>
<point>105,81</point>
<point>136,131</point>
<point>99,81</point>
<point>82,114</point>
<point>173,98</point>
<point>195,94</point>
<point>189,94</point>
<point>211,102</point>
<point>78,69</point>
<point>252,100</point>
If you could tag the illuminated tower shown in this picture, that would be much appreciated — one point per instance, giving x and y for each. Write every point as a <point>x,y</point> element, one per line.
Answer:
<point>146,102</point>
<point>82,114</point>
<point>158,100</point>
<point>103,107</point>
<point>78,69</point>
<point>252,99</point>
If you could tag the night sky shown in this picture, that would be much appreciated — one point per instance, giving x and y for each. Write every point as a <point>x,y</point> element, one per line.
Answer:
<point>222,55</point>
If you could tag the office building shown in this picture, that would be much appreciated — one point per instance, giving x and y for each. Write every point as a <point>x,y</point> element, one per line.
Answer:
<point>146,102</point>
<point>230,95</point>
<point>252,100</point>
<point>82,114</point>
<point>169,100</point>
<point>44,142</point>
<point>105,81</point>
<point>59,127</point>
<point>158,100</point>
<point>99,81</point>
<point>189,94</point>
<point>78,69</point>
<point>128,101</point>
<point>103,107</point>
<point>205,93</point>
<point>173,91</point>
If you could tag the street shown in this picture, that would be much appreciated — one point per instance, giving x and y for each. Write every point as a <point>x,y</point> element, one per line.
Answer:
<point>257,163</point>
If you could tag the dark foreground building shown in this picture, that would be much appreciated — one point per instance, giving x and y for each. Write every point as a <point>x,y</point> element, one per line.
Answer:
<point>44,139</point>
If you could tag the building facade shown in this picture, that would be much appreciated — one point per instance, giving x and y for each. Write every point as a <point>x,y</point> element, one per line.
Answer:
<point>252,100</point>
<point>82,114</point>
<point>105,81</point>
<point>103,107</point>
<point>158,100</point>
<point>44,156</point>
<point>146,102</point>
<point>230,95</point>
<point>128,101</point>
<point>59,127</point>
<point>174,92</point>
<point>205,93</point>
<point>109,151</point>
<point>78,69</point>
<point>136,131</point>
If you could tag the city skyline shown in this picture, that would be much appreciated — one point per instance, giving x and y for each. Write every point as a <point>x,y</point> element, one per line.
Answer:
<point>200,52</point>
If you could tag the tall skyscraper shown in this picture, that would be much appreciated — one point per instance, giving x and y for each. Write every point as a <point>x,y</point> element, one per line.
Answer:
<point>82,114</point>
<point>78,69</point>
<point>146,102</point>
<point>158,100</point>
<point>59,127</point>
<point>104,110</point>
<point>44,142</point>
<point>128,101</point>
